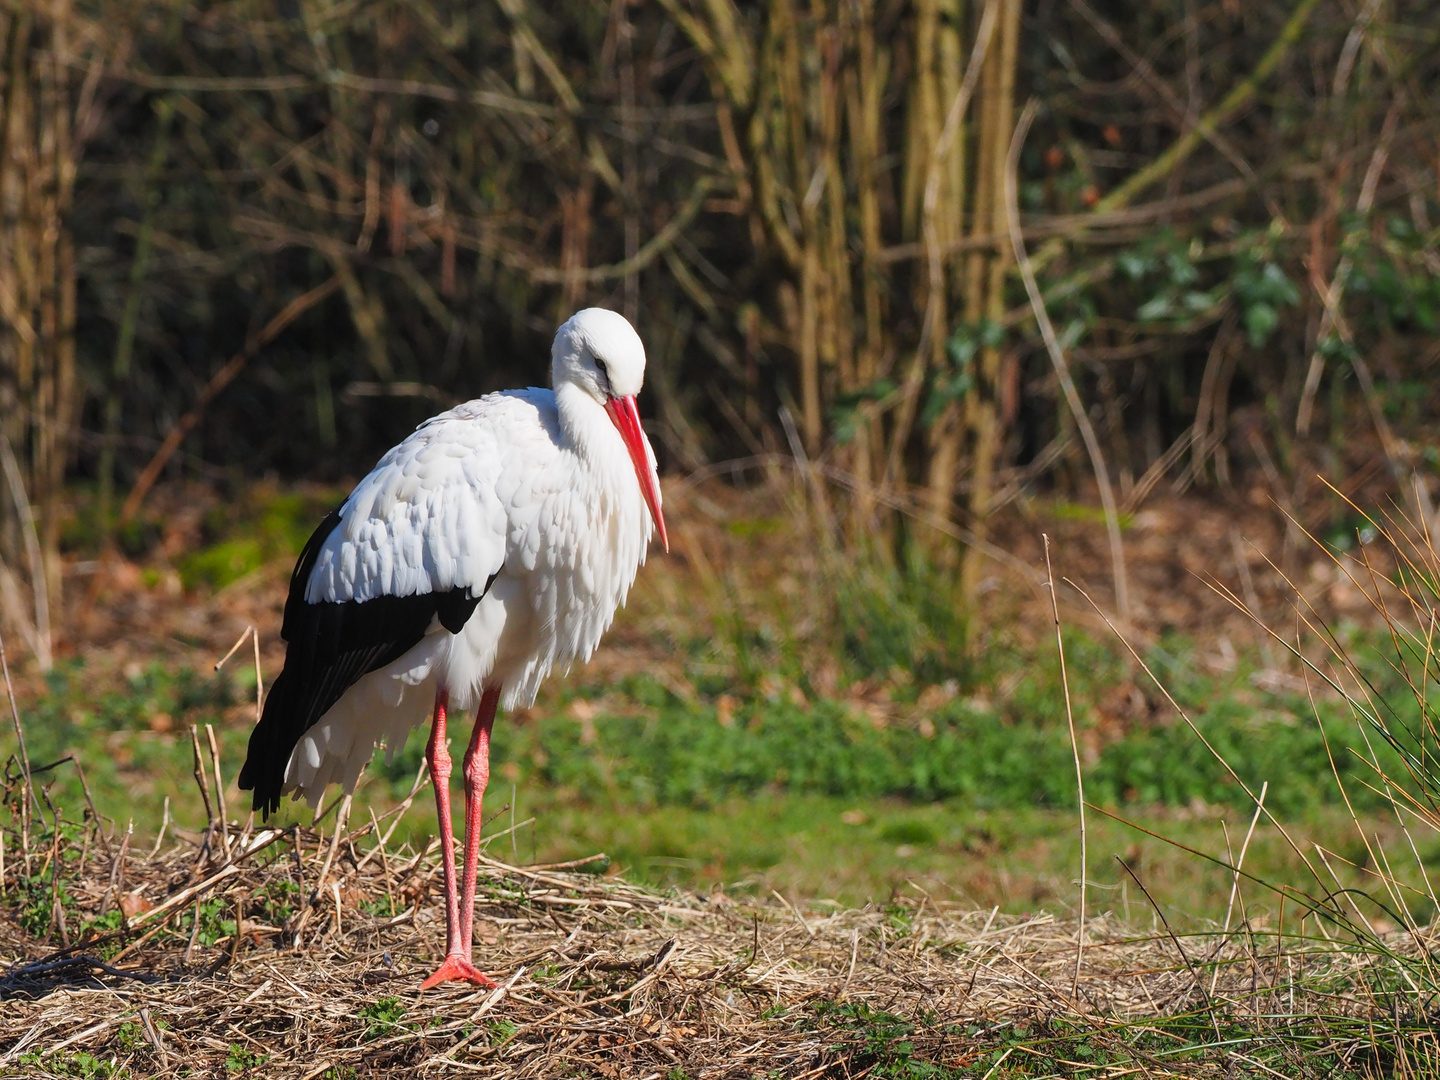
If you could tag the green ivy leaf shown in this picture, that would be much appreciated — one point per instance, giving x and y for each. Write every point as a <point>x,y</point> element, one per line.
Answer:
<point>1182,270</point>
<point>991,333</point>
<point>962,347</point>
<point>1333,347</point>
<point>1156,308</point>
<point>1261,319</point>
<point>1133,264</point>
<point>1424,313</point>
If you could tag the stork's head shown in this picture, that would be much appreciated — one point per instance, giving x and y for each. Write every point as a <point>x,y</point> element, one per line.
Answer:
<point>599,352</point>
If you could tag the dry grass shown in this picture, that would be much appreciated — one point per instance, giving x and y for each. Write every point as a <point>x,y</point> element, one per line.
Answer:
<point>599,977</point>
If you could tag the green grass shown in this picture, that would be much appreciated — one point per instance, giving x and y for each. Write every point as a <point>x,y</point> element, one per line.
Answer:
<point>1021,860</point>
<point>665,751</point>
<point>973,797</point>
<point>241,540</point>
<point>130,734</point>
<point>834,742</point>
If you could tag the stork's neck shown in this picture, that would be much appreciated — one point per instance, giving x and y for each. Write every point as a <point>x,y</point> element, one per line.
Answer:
<point>583,423</point>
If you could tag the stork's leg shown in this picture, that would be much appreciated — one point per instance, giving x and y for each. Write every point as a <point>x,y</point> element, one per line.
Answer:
<point>437,756</point>
<point>477,774</point>
<point>456,965</point>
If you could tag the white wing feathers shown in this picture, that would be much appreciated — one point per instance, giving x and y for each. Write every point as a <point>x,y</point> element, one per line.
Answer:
<point>435,512</point>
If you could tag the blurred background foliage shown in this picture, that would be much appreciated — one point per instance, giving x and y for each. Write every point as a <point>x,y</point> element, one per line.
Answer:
<point>255,236</point>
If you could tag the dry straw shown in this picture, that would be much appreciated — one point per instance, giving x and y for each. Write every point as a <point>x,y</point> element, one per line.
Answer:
<point>599,976</point>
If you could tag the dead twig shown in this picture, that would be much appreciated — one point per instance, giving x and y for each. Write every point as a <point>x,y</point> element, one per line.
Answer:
<point>202,781</point>
<point>219,791</point>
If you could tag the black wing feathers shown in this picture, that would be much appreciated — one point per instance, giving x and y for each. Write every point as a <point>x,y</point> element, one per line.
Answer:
<point>300,576</point>
<point>456,606</point>
<point>329,647</point>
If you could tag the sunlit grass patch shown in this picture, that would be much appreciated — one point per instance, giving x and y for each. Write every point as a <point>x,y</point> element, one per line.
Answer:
<point>240,540</point>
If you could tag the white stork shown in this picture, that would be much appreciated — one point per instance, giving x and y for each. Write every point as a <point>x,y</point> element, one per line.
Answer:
<point>490,546</point>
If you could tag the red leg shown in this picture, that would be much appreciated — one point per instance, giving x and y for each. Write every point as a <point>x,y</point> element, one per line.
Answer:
<point>437,755</point>
<point>477,775</point>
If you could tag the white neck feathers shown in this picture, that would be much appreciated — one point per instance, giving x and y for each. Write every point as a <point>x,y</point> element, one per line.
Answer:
<point>585,426</point>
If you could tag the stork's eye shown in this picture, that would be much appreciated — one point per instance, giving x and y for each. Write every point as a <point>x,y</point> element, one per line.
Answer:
<point>604,372</point>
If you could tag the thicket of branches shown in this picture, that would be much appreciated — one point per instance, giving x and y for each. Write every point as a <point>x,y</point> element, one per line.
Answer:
<point>261,234</point>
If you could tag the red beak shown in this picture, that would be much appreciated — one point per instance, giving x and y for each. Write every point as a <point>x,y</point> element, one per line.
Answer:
<point>626,418</point>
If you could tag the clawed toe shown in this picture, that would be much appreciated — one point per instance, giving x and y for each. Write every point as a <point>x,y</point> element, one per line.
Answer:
<point>457,969</point>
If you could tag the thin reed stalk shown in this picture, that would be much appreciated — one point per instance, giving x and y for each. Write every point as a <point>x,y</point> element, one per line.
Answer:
<point>1079,775</point>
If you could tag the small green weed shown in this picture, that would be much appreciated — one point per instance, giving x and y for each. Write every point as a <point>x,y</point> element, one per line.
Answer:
<point>276,900</point>
<point>104,926</point>
<point>79,1065</point>
<point>501,1031</point>
<point>33,902</point>
<point>213,922</point>
<point>130,1037</point>
<point>381,907</point>
<point>899,919</point>
<point>240,1060</point>
<point>878,1043</point>
<point>34,899</point>
<point>381,1017</point>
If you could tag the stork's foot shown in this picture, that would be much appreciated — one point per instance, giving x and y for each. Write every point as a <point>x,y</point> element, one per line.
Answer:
<point>457,968</point>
